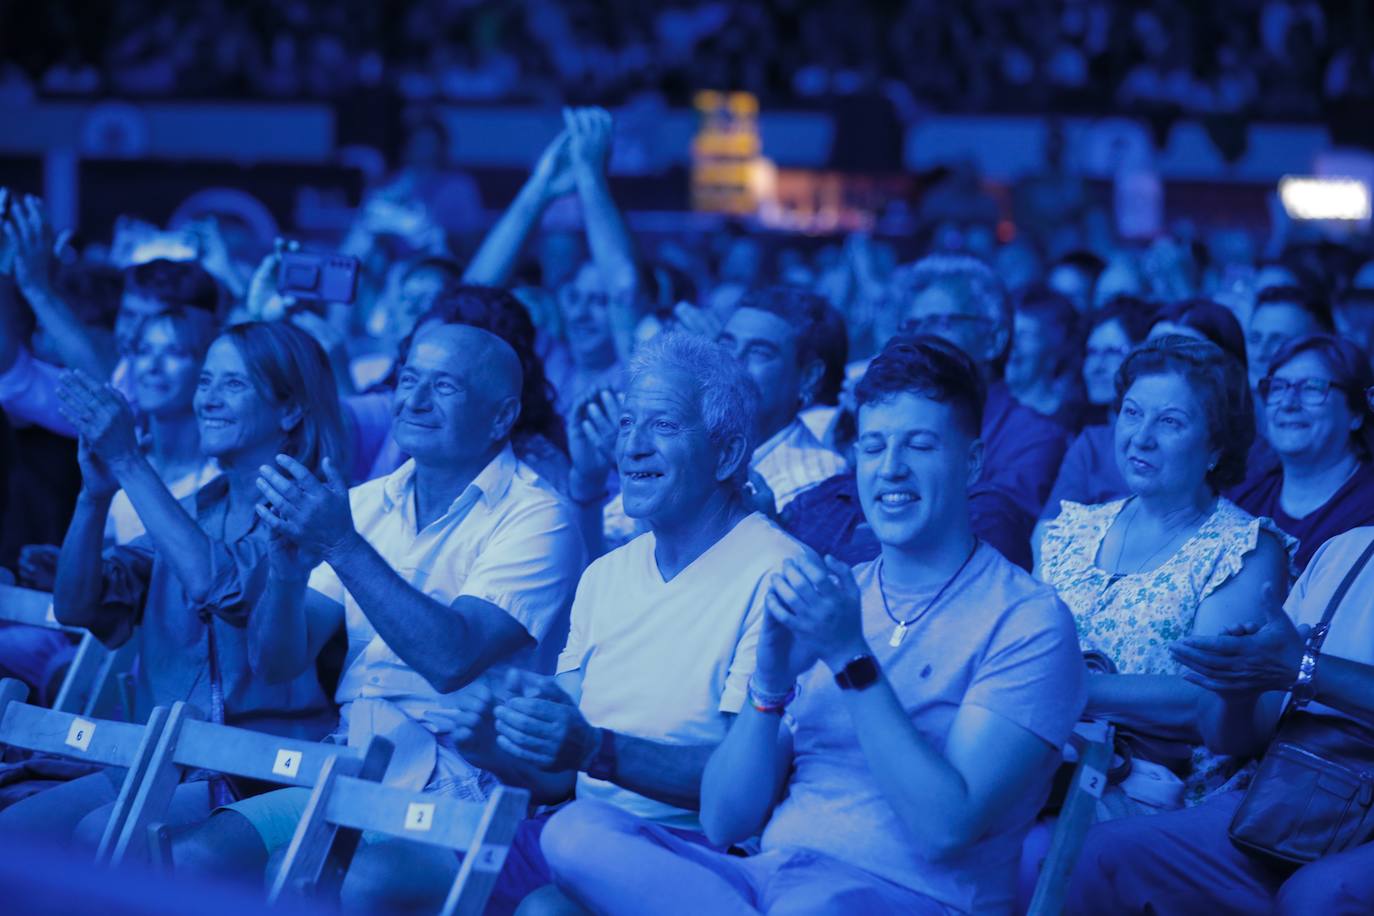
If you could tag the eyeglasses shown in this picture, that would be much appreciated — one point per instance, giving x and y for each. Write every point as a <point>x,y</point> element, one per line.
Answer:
<point>1312,392</point>
<point>948,321</point>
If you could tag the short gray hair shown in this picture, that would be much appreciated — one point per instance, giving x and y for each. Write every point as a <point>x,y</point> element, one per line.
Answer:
<point>726,396</point>
<point>963,275</point>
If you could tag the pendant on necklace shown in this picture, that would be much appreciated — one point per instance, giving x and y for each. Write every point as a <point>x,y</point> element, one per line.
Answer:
<point>898,635</point>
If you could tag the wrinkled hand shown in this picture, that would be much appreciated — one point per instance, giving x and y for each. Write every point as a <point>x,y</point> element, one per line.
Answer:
<point>315,516</point>
<point>818,601</point>
<point>473,721</point>
<point>536,721</point>
<point>553,172</point>
<point>101,416</point>
<point>590,131</point>
<point>38,566</point>
<point>593,425</point>
<point>1253,657</point>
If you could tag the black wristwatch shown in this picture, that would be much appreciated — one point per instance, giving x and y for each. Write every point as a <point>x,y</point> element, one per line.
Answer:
<point>861,671</point>
<point>602,764</point>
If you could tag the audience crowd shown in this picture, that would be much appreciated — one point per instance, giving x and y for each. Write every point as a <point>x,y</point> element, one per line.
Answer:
<point>784,581</point>
<point>1275,58</point>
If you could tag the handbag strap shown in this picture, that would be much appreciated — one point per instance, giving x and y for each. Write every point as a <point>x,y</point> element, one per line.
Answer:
<point>1318,634</point>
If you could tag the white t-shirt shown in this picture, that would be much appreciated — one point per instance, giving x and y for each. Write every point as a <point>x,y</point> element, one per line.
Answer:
<point>508,539</point>
<point>1352,628</point>
<point>667,661</point>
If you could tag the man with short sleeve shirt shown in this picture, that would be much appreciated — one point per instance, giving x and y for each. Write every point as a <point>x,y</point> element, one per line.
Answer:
<point>460,560</point>
<point>904,721</point>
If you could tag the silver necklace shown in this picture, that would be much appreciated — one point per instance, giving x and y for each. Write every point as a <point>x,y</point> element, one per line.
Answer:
<point>899,633</point>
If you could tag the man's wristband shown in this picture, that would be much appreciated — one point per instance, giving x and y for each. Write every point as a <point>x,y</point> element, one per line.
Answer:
<point>767,702</point>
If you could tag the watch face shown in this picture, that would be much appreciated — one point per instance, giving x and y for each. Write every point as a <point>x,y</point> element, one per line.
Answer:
<point>861,672</point>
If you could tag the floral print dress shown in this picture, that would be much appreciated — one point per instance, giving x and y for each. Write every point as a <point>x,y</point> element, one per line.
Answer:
<point>1132,618</point>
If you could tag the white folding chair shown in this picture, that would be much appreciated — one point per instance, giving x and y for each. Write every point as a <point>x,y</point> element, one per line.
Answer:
<point>481,831</point>
<point>99,741</point>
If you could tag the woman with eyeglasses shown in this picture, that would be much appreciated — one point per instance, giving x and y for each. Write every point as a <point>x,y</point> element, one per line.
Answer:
<point>1318,419</point>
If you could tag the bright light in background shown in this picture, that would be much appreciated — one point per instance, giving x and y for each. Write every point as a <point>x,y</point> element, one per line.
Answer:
<point>1310,198</point>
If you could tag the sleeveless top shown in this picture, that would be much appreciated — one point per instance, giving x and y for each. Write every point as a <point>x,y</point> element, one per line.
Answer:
<point>1133,618</point>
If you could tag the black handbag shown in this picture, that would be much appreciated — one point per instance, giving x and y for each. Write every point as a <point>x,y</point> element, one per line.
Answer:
<point>1313,792</point>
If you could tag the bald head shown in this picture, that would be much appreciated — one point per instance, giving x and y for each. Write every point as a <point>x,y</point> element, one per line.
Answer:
<point>458,395</point>
<point>490,362</point>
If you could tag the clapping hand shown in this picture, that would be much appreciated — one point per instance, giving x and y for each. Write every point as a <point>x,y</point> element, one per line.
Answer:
<point>590,131</point>
<point>536,721</point>
<point>312,515</point>
<point>553,172</point>
<point>102,418</point>
<point>1252,657</point>
<point>592,429</point>
<point>818,602</point>
<point>30,236</point>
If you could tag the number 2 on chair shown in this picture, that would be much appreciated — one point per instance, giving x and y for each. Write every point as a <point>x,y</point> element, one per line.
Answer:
<point>419,816</point>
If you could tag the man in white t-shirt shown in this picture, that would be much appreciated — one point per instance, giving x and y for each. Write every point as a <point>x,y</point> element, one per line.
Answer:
<point>1184,861</point>
<point>904,720</point>
<point>663,630</point>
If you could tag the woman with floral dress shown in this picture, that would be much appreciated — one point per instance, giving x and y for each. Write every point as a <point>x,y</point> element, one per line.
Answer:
<point>1172,559</point>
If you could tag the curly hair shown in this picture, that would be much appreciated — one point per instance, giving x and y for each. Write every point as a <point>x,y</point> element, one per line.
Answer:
<point>1220,384</point>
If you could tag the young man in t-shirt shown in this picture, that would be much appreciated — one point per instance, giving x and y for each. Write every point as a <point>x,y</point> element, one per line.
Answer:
<point>904,719</point>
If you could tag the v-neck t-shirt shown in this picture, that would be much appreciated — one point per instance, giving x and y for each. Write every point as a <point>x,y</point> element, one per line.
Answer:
<point>668,661</point>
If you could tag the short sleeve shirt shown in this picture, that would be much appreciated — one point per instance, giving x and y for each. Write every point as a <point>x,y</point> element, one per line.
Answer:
<point>997,639</point>
<point>664,661</point>
<point>509,540</point>
<point>1351,635</point>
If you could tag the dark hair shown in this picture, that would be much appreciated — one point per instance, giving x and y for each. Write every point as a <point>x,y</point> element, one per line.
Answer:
<point>288,367</point>
<point>1057,312</point>
<point>1355,298</point>
<point>1135,315</point>
<point>1350,371</point>
<point>498,312</point>
<point>834,353</point>
<point>1215,322</point>
<point>1220,383</point>
<point>804,311</point>
<point>92,291</point>
<point>933,368</point>
<point>174,284</point>
<point>1080,260</point>
<point>1311,303</point>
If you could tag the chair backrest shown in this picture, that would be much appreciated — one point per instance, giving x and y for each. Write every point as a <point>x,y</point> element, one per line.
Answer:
<point>188,742</point>
<point>482,831</point>
<point>89,687</point>
<point>27,606</point>
<point>1077,814</point>
<point>99,741</point>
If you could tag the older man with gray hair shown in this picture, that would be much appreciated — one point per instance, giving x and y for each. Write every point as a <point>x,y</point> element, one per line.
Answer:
<point>960,299</point>
<point>663,629</point>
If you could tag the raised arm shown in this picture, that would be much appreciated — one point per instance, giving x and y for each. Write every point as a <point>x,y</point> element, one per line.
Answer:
<point>28,230</point>
<point>448,644</point>
<point>589,130</point>
<point>106,424</point>
<point>500,250</point>
<point>78,586</point>
<point>291,622</point>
